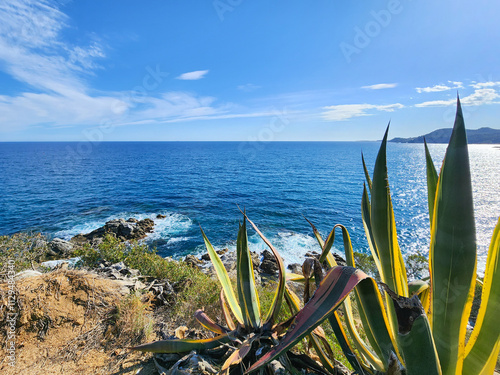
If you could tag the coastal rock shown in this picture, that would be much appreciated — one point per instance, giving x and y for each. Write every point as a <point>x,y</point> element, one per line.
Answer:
<point>193,261</point>
<point>160,216</point>
<point>206,257</point>
<point>131,229</point>
<point>295,268</point>
<point>268,265</point>
<point>59,248</point>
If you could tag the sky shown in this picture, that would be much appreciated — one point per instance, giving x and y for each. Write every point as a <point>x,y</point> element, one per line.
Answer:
<point>241,70</point>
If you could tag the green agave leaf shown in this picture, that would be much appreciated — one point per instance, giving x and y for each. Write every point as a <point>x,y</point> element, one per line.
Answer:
<point>371,312</point>
<point>367,224</point>
<point>432,181</point>
<point>247,292</point>
<point>357,363</point>
<point>280,290</point>
<point>482,349</point>
<point>223,278</point>
<point>452,258</point>
<point>184,345</point>
<point>422,289</point>
<point>325,247</point>
<point>414,335</point>
<point>367,175</point>
<point>384,226</point>
<point>208,323</point>
<point>334,288</point>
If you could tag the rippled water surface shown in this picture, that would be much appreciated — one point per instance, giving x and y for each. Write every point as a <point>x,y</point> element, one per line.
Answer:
<point>63,189</point>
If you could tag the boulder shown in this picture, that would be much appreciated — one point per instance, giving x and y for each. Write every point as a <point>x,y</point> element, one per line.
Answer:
<point>59,248</point>
<point>131,229</point>
<point>160,216</point>
<point>268,265</point>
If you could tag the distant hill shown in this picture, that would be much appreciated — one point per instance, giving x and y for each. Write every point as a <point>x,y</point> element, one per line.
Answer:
<point>482,135</point>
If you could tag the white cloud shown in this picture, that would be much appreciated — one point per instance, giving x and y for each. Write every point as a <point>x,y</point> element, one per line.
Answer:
<point>482,85</point>
<point>192,76</point>
<point>438,88</point>
<point>249,87</point>
<point>380,86</point>
<point>346,111</point>
<point>478,97</point>
<point>32,51</point>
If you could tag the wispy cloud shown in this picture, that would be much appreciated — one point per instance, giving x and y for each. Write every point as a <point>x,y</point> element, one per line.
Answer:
<point>193,76</point>
<point>34,52</point>
<point>380,86</point>
<point>478,97</point>
<point>249,87</point>
<point>452,85</point>
<point>346,111</point>
<point>482,85</point>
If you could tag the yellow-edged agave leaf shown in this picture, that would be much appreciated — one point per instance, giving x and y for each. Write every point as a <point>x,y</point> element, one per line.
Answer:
<point>414,335</point>
<point>432,180</point>
<point>371,309</point>
<point>369,358</point>
<point>208,323</point>
<point>325,247</point>
<point>484,344</point>
<point>334,288</point>
<point>223,279</point>
<point>357,363</point>
<point>419,351</point>
<point>247,292</point>
<point>280,290</point>
<point>294,304</point>
<point>225,311</point>
<point>184,345</point>
<point>367,175</point>
<point>422,289</point>
<point>452,259</point>
<point>383,226</point>
<point>367,224</point>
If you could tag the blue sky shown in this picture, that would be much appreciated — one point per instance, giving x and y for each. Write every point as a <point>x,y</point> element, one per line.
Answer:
<point>244,70</point>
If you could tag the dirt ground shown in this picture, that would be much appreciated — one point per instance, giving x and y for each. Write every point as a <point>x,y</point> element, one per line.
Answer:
<point>65,326</point>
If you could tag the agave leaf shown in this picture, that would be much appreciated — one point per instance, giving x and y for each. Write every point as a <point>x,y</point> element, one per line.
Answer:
<point>325,247</point>
<point>452,259</point>
<point>414,335</point>
<point>422,289</point>
<point>324,351</point>
<point>371,311</point>
<point>208,323</point>
<point>334,288</point>
<point>384,226</point>
<point>432,180</point>
<point>237,356</point>
<point>484,344</point>
<point>184,345</point>
<point>367,224</point>
<point>367,175</point>
<point>280,290</point>
<point>225,311</point>
<point>224,279</point>
<point>357,363</point>
<point>294,277</point>
<point>247,292</point>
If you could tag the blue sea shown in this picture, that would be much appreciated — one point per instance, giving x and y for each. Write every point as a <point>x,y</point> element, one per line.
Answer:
<point>62,189</point>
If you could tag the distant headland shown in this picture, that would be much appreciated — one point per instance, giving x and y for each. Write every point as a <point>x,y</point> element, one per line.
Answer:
<point>478,136</point>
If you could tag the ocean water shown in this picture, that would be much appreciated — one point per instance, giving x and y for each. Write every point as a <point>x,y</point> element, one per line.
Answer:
<point>63,189</point>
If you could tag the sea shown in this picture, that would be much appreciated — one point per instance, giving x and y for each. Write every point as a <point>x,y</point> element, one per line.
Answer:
<point>65,188</point>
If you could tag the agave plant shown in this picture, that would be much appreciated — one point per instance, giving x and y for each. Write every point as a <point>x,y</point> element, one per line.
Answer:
<point>422,324</point>
<point>252,334</point>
